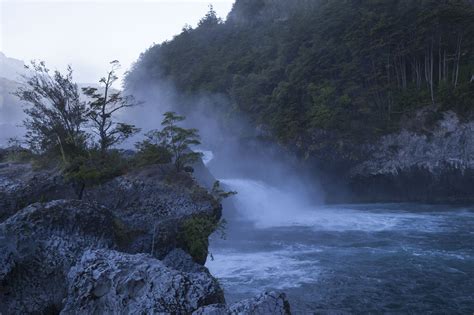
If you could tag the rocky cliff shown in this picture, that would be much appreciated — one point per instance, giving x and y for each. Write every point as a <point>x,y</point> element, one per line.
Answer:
<point>425,161</point>
<point>120,250</point>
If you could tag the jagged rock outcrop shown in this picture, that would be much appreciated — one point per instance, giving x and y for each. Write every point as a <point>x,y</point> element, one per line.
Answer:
<point>153,203</point>
<point>178,259</point>
<point>109,282</point>
<point>38,246</point>
<point>22,185</point>
<point>449,144</point>
<point>99,255</point>
<point>263,304</point>
<point>432,164</point>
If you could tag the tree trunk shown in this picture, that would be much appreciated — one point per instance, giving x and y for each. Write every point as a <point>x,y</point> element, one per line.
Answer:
<point>440,77</point>
<point>432,74</point>
<point>396,71</point>
<point>458,59</point>
<point>81,191</point>
<point>404,72</point>
<point>445,69</point>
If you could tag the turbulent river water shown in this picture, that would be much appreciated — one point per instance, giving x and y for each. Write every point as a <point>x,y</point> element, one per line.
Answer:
<point>377,258</point>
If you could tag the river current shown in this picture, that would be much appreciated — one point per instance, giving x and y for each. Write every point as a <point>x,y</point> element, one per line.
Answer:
<point>338,259</point>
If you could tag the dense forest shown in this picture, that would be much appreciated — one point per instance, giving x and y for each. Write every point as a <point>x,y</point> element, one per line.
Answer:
<point>350,68</point>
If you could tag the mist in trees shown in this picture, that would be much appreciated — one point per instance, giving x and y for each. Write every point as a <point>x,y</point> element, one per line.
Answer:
<point>352,69</point>
<point>81,136</point>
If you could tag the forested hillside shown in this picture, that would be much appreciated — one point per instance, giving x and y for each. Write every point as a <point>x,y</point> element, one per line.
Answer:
<point>350,69</point>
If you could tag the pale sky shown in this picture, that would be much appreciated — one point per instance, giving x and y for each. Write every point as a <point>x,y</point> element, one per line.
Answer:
<point>90,34</point>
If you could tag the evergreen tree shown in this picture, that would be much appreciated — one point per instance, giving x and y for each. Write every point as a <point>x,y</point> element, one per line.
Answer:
<point>176,140</point>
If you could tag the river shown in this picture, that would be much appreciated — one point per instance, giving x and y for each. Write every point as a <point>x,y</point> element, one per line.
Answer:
<point>338,259</point>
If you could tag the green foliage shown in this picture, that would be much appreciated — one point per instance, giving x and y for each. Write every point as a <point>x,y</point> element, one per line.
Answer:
<point>219,193</point>
<point>210,19</point>
<point>57,126</point>
<point>55,112</point>
<point>174,139</point>
<point>93,167</point>
<point>16,152</point>
<point>195,235</point>
<point>353,68</point>
<point>196,230</point>
<point>149,153</point>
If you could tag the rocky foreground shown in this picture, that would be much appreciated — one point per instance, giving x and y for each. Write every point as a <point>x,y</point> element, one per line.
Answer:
<point>120,250</point>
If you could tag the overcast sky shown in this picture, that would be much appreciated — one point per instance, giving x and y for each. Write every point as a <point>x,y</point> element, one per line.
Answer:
<point>89,34</point>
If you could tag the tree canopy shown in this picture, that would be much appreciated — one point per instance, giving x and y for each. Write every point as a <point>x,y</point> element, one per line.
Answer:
<point>56,116</point>
<point>60,124</point>
<point>171,142</point>
<point>350,67</point>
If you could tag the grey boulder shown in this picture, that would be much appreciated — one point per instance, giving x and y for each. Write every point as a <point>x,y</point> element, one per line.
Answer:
<point>22,185</point>
<point>110,282</point>
<point>264,304</point>
<point>38,246</point>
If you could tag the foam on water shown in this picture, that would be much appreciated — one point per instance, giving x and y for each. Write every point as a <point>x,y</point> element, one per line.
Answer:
<point>398,258</point>
<point>268,206</point>
<point>260,270</point>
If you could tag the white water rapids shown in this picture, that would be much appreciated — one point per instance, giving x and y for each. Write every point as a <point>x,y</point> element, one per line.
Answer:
<point>376,258</point>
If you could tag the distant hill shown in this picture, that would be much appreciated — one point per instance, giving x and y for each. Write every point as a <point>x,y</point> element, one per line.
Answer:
<point>11,68</point>
<point>11,112</point>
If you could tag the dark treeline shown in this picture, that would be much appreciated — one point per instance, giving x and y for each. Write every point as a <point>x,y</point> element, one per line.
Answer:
<point>354,68</point>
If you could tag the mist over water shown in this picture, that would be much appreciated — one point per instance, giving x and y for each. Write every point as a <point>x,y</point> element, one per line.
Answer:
<point>281,236</point>
<point>267,205</point>
<point>343,258</point>
<point>327,258</point>
<point>401,258</point>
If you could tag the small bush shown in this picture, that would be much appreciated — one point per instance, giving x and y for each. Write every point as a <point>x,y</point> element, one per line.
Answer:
<point>19,155</point>
<point>93,168</point>
<point>195,235</point>
<point>219,193</point>
<point>149,153</point>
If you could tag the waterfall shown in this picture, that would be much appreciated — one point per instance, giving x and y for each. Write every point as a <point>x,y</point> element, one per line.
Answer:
<point>267,205</point>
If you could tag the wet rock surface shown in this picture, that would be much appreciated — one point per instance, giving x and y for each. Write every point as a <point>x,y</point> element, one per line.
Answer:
<point>101,255</point>
<point>39,245</point>
<point>450,144</point>
<point>22,185</point>
<point>153,203</point>
<point>109,282</point>
<point>430,164</point>
<point>178,259</point>
<point>265,303</point>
